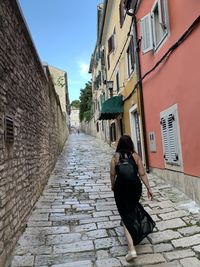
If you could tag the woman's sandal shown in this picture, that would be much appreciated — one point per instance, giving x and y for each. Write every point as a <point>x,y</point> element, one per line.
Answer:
<point>131,255</point>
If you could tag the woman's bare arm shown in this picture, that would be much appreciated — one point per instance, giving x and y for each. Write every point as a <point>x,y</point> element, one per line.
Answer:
<point>143,176</point>
<point>112,172</point>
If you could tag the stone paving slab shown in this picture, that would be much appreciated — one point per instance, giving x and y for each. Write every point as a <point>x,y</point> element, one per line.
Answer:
<point>75,223</point>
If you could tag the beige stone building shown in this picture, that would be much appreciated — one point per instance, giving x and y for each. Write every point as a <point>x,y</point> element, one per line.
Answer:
<point>74,118</point>
<point>61,85</point>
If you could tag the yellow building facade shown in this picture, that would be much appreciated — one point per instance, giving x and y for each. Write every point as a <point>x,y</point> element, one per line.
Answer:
<point>116,40</point>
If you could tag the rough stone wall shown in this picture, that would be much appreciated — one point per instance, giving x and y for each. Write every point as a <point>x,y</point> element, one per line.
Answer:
<point>28,96</point>
<point>88,127</point>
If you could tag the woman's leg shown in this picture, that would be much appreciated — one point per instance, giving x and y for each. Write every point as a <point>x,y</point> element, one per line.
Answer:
<point>129,239</point>
<point>131,248</point>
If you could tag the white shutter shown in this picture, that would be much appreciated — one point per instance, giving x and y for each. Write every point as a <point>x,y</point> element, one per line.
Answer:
<point>165,136</point>
<point>146,32</point>
<point>173,138</point>
<point>170,137</point>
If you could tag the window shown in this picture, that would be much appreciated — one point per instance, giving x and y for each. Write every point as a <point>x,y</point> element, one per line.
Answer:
<point>108,61</point>
<point>130,57</point>
<point>154,26</point>
<point>117,83</point>
<point>97,126</point>
<point>102,58</point>
<point>121,127</point>
<point>111,44</point>
<point>102,98</point>
<point>159,18</point>
<point>169,129</point>
<point>121,13</point>
<point>102,125</point>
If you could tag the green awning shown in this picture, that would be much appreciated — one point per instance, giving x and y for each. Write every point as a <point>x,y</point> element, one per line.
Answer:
<point>111,108</point>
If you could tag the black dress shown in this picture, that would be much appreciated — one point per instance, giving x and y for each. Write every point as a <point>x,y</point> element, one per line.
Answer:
<point>127,194</point>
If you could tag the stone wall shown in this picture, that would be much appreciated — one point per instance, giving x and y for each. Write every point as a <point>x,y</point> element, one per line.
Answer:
<point>28,98</point>
<point>89,127</point>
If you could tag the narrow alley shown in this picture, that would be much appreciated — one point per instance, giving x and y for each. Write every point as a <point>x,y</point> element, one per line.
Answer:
<point>75,223</point>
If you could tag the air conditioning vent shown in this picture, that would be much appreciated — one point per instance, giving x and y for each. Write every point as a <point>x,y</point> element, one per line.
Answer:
<point>9,129</point>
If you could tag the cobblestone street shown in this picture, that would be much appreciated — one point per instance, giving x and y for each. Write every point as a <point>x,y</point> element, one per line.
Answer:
<point>75,222</point>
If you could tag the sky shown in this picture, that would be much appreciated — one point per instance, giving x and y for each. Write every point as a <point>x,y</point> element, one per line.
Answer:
<point>64,34</point>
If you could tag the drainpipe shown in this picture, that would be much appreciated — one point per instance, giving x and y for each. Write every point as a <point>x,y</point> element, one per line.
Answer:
<point>140,87</point>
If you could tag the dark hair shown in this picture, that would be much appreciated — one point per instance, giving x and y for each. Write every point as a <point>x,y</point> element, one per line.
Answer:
<point>125,144</point>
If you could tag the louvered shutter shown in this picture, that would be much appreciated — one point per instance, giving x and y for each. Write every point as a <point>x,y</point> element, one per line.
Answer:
<point>146,32</point>
<point>165,136</point>
<point>132,53</point>
<point>173,140</point>
<point>170,137</point>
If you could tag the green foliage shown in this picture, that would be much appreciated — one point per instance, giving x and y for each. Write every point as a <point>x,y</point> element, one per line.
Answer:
<point>87,115</point>
<point>86,102</point>
<point>75,104</point>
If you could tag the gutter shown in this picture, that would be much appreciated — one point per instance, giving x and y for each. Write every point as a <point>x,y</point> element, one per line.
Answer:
<point>140,86</point>
<point>103,21</point>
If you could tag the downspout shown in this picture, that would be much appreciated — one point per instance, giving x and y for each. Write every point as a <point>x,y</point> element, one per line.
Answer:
<point>140,88</point>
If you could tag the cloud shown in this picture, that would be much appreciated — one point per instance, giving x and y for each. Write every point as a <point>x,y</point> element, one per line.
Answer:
<point>83,69</point>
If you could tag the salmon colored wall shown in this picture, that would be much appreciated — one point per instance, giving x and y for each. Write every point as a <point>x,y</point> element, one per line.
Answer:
<point>176,81</point>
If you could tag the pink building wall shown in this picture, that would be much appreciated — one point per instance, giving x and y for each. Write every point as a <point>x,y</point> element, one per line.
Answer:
<point>176,81</point>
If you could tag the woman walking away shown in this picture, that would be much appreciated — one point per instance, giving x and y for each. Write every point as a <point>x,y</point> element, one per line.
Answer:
<point>126,173</point>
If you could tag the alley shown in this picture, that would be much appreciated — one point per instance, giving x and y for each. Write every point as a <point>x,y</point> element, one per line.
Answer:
<point>75,223</point>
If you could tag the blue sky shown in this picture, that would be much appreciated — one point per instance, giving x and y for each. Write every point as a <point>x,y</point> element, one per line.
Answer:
<point>64,33</point>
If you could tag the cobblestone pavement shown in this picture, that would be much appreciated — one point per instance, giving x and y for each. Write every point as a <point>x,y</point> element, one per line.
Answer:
<point>75,223</point>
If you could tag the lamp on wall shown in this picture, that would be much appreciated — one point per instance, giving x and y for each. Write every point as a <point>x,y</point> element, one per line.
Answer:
<point>109,85</point>
<point>130,6</point>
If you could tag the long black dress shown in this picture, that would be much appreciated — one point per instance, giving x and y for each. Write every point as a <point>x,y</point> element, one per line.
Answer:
<point>127,194</point>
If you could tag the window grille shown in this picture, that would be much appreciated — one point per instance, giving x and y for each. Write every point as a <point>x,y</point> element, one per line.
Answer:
<point>9,129</point>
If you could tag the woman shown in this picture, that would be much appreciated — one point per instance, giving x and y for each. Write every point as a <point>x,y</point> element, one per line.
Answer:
<point>126,173</point>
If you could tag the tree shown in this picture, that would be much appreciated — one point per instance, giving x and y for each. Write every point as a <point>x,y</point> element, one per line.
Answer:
<point>75,104</point>
<point>86,102</point>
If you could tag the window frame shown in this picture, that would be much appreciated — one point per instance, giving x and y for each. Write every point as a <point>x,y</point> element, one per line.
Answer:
<point>148,26</point>
<point>130,55</point>
<point>163,18</point>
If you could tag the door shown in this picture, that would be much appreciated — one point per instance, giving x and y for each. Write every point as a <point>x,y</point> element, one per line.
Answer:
<point>135,130</point>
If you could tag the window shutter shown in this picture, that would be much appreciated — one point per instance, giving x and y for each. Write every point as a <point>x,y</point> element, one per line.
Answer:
<point>146,32</point>
<point>132,53</point>
<point>173,138</point>
<point>165,136</point>
<point>102,58</point>
<point>117,82</point>
<point>170,137</point>
<point>108,61</point>
<point>121,13</point>
<point>111,44</point>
